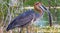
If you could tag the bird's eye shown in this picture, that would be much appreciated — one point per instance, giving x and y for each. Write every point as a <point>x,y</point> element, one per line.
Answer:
<point>37,3</point>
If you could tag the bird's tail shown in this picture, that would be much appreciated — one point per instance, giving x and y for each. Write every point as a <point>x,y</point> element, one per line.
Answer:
<point>10,26</point>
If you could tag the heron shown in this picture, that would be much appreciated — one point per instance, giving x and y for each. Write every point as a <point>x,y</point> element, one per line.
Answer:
<point>25,19</point>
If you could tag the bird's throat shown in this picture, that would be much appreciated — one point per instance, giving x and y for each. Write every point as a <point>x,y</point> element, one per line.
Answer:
<point>40,12</point>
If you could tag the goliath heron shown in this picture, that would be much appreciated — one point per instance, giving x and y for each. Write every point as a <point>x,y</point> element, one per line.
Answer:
<point>27,17</point>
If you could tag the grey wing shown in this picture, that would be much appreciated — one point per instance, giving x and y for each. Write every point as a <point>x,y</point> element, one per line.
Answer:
<point>24,21</point>
<point>18,22</point>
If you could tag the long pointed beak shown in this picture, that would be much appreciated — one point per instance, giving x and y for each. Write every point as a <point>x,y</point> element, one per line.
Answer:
<point>48,12</point>
<point>44,8</point>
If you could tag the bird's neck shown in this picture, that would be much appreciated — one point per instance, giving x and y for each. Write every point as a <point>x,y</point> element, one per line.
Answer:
<point>40,12</point>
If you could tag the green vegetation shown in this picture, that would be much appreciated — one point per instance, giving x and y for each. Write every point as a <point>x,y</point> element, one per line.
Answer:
<point>55,12</point>
<point>54,3</point>
<point>45,2</point>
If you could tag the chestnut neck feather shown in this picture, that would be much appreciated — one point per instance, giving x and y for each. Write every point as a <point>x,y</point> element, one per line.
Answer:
<point>38,10</point>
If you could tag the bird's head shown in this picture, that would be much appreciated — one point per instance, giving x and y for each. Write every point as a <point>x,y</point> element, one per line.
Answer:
<point>39,7</point>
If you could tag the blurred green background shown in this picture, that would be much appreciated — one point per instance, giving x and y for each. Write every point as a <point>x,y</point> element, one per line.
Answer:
<point>55,12</point>
<point>49,3</point>
<point>8,13</point>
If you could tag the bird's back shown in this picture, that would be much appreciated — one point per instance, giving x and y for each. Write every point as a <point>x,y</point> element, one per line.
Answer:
<point>23,19</point>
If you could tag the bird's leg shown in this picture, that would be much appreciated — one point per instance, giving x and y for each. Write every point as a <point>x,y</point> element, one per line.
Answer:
<point>27,29</point>
<point>21,30</point>
<point>31,25</point>
<point>31,29</point>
